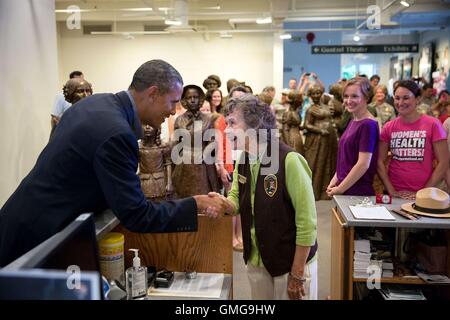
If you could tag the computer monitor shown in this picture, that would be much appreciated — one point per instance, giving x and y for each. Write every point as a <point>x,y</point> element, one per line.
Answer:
<point>41,284</point>
<point>71,250</point>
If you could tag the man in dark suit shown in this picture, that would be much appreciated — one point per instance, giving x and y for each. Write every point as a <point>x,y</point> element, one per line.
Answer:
<point>90,164</point>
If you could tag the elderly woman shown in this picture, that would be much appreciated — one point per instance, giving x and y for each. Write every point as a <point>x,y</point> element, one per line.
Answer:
<point>385,112</point>
<point>277,209</point>
<point>415,141</point>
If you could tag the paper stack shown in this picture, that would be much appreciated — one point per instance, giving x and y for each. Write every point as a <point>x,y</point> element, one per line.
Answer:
<point>361,258</point>
<point>433,278</point>
<point>402,294</point>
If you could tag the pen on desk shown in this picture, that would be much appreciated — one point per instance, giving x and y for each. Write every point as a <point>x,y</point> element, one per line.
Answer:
<point>404,214</point>
<point>415,215</point>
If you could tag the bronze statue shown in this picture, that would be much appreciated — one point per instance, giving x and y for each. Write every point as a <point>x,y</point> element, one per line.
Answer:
<point>212,82</point>
<point>76,89</point>
<point>321,143</point>
<point>291,122</point>
<point>336,105</point>
<point>155,166</point>
<point>196,177</point>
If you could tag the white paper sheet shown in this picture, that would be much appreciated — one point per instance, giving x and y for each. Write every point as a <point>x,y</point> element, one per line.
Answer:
<point>206,285</point>
<point>371,213</point>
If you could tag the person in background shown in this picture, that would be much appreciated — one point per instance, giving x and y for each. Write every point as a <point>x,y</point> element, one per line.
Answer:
<point>383,110</point>
<point>292,84</point>
<point>374,81</point>
<point>224,165</point>
<point>238,91</point>
<point>61,104</point>
<point>415,141</point>
<point>231,83</point>
<point>447,130</point>
<point>358,147</point>
<point>206,107</point>
<point>307,80</point>
<point>427,95</point>
<point>269,90</point>
<point>439,110</point>
<point>279,223</point>
<point>167,127</point>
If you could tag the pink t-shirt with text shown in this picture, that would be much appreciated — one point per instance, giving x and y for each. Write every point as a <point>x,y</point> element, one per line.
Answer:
<point>411,145</point>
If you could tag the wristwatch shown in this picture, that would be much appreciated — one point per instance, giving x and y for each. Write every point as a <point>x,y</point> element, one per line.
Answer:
<point>300,279</point>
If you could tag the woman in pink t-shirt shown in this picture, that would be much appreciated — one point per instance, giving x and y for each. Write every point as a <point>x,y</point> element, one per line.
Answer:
<point>414,140</point>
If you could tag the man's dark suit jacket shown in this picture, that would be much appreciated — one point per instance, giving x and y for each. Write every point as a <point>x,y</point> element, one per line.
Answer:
<point>89,164</point>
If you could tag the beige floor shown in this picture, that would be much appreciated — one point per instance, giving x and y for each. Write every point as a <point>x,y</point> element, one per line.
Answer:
<point>241,289</point>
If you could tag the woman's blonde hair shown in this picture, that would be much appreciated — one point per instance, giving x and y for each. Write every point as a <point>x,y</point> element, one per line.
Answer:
<point>363,84</point>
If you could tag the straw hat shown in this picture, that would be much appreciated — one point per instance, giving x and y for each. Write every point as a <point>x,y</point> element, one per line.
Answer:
<point>430,202</point>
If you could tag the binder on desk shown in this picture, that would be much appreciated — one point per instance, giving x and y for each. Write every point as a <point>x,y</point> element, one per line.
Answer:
<point>371,213</point>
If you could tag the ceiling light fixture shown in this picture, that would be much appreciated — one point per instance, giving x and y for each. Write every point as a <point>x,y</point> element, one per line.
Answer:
<point>226,35</point>
<point>213,8</point>
<point>71,10</point>
<point>266,20</point>
<point>285,36</point>
<point>172,22</point>
<point>137,9</point>
<point>404,3</point>
<point>356,37</point>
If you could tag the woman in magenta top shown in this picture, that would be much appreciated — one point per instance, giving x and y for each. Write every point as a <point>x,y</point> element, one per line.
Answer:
<point>358,147</point>
<point>414,140</point>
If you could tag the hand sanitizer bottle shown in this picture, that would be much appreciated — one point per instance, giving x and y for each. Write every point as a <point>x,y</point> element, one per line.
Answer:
<point>136,279</point>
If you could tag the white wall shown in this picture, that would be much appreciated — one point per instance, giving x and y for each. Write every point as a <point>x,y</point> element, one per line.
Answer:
<point>28,82</point>
<point>109,61</point>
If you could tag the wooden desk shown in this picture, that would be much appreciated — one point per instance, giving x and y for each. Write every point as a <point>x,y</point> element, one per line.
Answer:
<point>343,226</point>
<point>207,250</point>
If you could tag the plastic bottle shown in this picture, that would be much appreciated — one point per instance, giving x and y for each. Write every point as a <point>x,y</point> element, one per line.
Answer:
<point>136,279</point>
<point>111,252</point>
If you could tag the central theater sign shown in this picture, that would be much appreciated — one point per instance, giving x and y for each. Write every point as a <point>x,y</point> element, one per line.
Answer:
<point>380,48</point>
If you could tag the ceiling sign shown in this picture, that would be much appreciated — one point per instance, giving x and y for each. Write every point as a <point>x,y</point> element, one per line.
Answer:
<point>379,48</point>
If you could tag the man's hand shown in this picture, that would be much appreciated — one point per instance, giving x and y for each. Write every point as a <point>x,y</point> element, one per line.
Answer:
<point>228,206</point>
<point>213,205</point>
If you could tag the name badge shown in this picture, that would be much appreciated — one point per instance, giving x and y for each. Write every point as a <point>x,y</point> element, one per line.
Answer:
<point>270,184</point>
<point>242,179</point>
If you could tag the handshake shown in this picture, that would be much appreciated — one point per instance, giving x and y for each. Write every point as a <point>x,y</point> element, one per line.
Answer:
<point>214,205</point>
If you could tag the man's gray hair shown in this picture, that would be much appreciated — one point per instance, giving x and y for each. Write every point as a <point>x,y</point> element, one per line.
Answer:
<point>156,73</point>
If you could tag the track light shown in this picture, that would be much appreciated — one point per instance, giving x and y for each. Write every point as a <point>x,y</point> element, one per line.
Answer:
<point>266,20</point>
<point>285,36</point>
<point>356,37</point>
<point>226,35</point>
<point>172,22</point>
<point>404,3</point>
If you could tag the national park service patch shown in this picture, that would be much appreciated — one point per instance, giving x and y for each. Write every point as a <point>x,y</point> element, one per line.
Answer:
<point>270,184</point>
